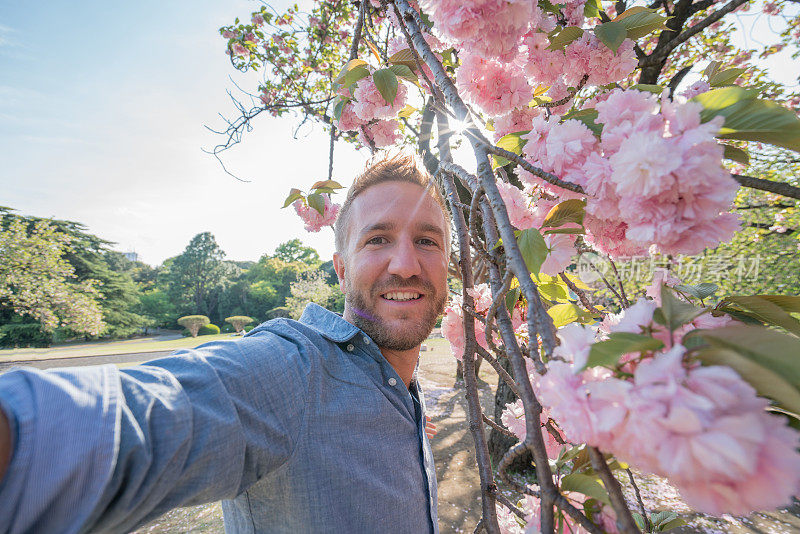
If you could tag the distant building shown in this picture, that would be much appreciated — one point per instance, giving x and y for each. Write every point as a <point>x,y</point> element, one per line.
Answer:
<point>132,256</point>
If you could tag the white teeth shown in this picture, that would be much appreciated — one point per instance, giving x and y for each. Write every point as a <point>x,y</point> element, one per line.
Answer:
<point>401,295</point>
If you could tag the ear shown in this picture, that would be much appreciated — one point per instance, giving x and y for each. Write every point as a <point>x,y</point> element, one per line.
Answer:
<point>338,266</point>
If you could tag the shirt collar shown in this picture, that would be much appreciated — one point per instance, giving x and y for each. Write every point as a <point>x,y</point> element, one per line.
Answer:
<point>329,325</point>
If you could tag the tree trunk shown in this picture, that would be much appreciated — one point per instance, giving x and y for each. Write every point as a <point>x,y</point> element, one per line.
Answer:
<point>500,443</point>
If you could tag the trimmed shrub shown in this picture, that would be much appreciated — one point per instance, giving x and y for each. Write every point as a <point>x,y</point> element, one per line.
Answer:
<point>208,330</point>
<point>227,329</point>
<point>239,321</point>
<point>24,335</point>
<point>193,323</point>
<point>248,328</point>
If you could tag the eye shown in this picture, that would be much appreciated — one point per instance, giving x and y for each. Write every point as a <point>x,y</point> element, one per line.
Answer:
<point>377,240</point>
<point>428,242</point>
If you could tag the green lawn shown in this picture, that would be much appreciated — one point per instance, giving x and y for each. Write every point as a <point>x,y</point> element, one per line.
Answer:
<point>104,348</point>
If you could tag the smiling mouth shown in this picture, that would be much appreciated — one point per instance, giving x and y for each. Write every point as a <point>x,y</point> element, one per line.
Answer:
<point>402,296</point>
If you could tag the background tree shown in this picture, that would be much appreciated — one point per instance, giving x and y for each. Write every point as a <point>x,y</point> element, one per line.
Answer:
<point>197,276</point>
<point>294,250</point>
<point>38,283</point>
<point>312,286</point>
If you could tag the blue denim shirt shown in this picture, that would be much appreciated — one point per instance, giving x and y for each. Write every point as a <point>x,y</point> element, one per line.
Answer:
<point>298,427</point>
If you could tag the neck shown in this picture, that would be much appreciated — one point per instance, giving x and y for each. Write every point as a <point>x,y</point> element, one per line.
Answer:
<point>403,361</point>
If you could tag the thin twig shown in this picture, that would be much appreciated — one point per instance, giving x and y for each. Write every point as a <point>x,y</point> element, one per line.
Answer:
<point>638,498</point>
<point>580,293</point>
<point>625,520</point>
<point>624,297</point>
<point>497,426</point>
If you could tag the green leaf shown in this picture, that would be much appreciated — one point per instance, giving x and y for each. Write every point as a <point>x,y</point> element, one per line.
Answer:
<point>563,314</point>
<point>533,249</point>
<point>294,194</point>
<point>569,211</point>
<point>512,297</point>
<point>328,184</point>
<point>407,111</point>
<point>701,291</point>
<point>736,154</point>
<point>640,522</point>
<point>677,522</point>
<point>649,88</point>
<point>611,34</point>
<point>750,119</point>
<point>640,21</point>
<point>561,39</point>
<point>588,117</point>
<point>771,349</point>
<point>592,8</point>
<point>711,69</point>
<point>553,291</point>
<point>352,72</point>
<point>403,57</point>
<point>386,83</point>
<point>568,230</point>
<point>607,353</point>
<point>403,71</point>
<point>725,77</point>
<point>512,142</point>
<point>587,485</point>
<point>662,517</point>
<point>770,309</point>
<point>338,106</point>
<point>676,312</point>
<point>767,382</point>
<point>316,201</point>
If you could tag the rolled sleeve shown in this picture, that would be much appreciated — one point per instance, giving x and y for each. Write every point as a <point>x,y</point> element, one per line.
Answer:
<point>63,451</point>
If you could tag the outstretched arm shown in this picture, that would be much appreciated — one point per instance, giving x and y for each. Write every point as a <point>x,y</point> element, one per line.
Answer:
<point>5,444</point>
<point>104,449</point>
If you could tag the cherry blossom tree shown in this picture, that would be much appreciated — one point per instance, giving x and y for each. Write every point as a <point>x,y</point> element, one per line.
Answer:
<point>585,139</point>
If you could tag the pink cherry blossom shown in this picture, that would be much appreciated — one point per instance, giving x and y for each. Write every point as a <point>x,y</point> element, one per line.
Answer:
<point>697,88</point>
<point>240,50</point>
<point>518,206</point>
<point>381,133</point>
<point>314,220</point>
<point>560,250</point>
<point>369,103</point>
<point>496,87</point>
<point>517,120</point>
<point>576,341</point>
<point>491,28</point>
<point>348,120</point>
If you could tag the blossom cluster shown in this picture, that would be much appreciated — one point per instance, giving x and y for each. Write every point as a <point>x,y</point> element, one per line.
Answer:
<point>702,427</point>
<point>655,176</point>
<point>507,52</point>
<point>313,220</point>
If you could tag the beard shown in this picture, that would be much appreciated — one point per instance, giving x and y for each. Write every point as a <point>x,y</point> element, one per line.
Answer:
<point>412,330</point>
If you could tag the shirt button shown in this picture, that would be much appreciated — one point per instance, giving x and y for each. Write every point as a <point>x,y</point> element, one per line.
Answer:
<point>366,340</point>
<point>350,347</point>
<point>392,382</point>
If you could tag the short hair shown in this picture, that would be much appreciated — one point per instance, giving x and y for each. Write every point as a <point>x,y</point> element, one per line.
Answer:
<point>390,167</point>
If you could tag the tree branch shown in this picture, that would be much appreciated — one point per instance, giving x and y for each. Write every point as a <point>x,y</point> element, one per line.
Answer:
<point>664,51</point>
<point>779,188</point>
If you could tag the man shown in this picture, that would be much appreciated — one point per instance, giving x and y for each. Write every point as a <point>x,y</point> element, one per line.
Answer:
<point>309,426</point>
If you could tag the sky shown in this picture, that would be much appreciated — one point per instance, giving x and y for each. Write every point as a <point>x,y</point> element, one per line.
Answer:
<point>102,120</point>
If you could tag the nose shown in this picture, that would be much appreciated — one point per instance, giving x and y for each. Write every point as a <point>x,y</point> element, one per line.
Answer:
<point>404,261</point>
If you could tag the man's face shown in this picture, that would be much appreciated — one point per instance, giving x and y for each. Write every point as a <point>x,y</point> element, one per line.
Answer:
<point>394,270</point>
